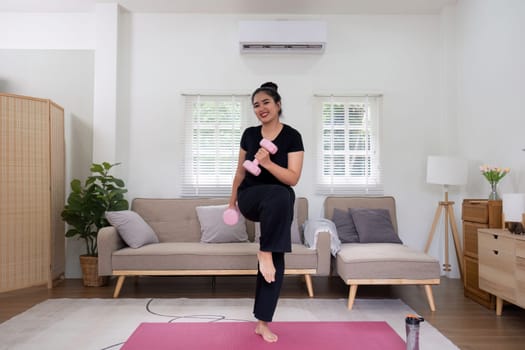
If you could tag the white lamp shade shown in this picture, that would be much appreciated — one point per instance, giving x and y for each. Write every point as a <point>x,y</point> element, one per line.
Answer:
<point>513,206</point>
<point>446,170</point>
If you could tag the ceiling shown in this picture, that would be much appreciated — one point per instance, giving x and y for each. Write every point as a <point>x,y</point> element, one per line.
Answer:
<point>300,7</point>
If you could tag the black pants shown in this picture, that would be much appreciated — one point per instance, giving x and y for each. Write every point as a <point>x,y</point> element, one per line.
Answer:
<point>267,294</point>
<point>272,206</point>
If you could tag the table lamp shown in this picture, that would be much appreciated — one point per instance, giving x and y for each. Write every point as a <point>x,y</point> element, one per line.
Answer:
<point>514,211</point>
<point>446,171</point>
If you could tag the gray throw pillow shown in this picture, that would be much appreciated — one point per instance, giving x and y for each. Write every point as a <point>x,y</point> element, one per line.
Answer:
<point>213,228</point>
<point>132,228</point>
<point>345,226</point>
<point>374,225</point>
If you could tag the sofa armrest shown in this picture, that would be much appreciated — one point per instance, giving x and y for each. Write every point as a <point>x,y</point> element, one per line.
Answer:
<point>108,241</point>
<point>323,253</point>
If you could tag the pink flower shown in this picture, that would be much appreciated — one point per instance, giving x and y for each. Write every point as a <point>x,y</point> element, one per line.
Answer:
<point>493,174</point>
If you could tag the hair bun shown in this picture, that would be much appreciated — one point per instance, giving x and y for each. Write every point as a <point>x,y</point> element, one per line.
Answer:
<point>269,85</point>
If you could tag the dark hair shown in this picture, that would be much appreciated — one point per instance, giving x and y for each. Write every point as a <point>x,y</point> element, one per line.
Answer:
<point>271,89</point>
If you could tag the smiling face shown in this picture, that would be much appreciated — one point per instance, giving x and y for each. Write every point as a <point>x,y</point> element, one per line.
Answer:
<point>265,107</point>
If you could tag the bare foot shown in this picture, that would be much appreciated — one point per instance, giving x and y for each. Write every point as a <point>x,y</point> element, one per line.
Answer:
<point>266,266</point>
<point>264,331</point>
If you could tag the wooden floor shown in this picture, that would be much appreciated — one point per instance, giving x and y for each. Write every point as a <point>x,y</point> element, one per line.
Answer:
<point>466,323</point>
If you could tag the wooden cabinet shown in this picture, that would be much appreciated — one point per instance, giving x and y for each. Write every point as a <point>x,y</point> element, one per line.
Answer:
<point>520,271</point>
<point>477,214</point>
<point>502,266</point>
<point>32,192</point>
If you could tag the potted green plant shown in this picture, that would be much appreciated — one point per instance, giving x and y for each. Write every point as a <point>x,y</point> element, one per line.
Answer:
<point>85,211</point>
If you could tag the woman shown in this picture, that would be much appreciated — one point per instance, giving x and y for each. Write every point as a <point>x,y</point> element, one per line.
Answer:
<point>269,198</point>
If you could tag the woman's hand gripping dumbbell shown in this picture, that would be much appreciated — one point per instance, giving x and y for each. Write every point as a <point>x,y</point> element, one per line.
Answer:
<point>253,166</point>
<point>231,216</point>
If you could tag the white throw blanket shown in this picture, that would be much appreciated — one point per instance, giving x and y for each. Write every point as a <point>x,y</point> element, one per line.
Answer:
<point>312,229</point>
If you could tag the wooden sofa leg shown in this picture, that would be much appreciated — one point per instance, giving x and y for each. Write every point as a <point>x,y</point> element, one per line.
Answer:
<point>309,286</point>
<point>499,306</point>
<point>430,297</point>
<point>351,296</point>
<point>118,287</point>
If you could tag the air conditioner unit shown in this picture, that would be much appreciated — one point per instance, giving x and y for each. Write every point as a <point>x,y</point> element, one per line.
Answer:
<point>282,36</point>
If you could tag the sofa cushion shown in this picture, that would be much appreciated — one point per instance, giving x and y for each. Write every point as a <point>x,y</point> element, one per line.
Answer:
<point>345,226</point>
<point>213,228</point>
<point>210,256</point>
<point>374,225</point>
<point>132,228</point>
<point>384,261</point>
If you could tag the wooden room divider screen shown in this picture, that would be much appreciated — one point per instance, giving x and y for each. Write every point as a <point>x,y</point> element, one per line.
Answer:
<point>32,192</point>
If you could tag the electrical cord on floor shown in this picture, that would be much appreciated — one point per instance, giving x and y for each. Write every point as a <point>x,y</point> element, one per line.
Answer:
<point>211,318</point>
<point>112,346</point>
<point>173,318</point>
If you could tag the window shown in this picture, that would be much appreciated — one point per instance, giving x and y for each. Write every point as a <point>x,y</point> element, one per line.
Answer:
<point>213,128</point>
<point>348,156</point>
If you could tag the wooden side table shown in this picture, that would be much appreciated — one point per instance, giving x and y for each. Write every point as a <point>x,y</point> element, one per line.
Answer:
<point>502,266</point>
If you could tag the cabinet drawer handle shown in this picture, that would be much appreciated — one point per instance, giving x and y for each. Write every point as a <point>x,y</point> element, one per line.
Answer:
<point>495,236</point>
<point>495,252</point>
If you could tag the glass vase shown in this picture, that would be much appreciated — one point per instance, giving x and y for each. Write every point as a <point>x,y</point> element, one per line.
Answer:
<point>494,191</point>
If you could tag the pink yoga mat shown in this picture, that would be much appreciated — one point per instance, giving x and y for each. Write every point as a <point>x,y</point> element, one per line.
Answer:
<point>241,336</point>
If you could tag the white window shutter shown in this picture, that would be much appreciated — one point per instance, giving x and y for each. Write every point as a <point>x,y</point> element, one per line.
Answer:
<point>213,129</point>
<point>349,145</point>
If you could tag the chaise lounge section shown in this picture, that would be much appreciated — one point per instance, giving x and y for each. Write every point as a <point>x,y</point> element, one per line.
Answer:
<point>381,263</point>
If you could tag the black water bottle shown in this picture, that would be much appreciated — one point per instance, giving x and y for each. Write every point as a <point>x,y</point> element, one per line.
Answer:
<point>412,329</point>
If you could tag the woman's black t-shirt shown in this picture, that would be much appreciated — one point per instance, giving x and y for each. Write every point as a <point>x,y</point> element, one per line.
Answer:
<point>287,141</point>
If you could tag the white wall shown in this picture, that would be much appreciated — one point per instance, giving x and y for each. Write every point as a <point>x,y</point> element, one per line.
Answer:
<point>71,31</point>
<point>491,85</point>
<point>431,69</point>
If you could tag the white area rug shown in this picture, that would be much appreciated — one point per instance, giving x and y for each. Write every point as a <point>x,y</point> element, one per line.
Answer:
<point>105,324</point>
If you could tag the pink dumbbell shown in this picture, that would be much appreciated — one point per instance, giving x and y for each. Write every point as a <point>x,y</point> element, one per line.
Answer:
<point>253,166</point>
<point>230,216</point>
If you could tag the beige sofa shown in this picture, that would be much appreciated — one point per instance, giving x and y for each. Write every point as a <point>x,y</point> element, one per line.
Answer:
<point>381,263</point>
<point>180,252</point>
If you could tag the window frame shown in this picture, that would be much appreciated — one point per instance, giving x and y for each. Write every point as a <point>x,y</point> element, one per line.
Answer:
<point>209,164</point>
<point>328,181</point>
